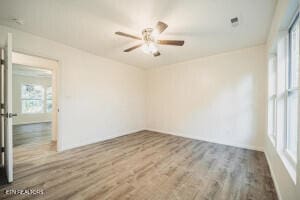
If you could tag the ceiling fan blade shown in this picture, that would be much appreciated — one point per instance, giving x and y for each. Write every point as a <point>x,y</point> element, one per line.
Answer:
<point>171,42</point>
<point>132,48</point>
<point>156,54</point>
<point>128,35</point>
<point>161,26</point>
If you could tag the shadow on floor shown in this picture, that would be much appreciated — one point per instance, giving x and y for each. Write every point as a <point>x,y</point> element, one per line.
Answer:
<point>3,180</point>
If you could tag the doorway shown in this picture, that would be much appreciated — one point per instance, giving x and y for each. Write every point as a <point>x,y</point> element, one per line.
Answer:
<point>29,115</point>
<point>35,103</point>
<point>32,102</point>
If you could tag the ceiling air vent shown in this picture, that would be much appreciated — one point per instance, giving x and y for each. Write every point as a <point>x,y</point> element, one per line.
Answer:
<point>234,21</point>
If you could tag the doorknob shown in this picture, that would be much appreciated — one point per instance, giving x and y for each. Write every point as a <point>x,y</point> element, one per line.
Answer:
<point>9,115</point>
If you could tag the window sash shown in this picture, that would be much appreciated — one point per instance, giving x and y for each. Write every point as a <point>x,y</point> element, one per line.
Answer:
<point>292,123</point>
<point>292,94</point>
<point>27,99</point>
<point>293,67</point>
<point>28,95</point>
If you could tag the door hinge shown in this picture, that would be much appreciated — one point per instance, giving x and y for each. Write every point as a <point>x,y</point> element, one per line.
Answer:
<point>2,62</point>
<point>2,149</point>
<point>2,105</point>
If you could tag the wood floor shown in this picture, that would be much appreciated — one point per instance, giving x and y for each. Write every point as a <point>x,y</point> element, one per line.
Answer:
<point>31,133</point>
<point>143,165</point>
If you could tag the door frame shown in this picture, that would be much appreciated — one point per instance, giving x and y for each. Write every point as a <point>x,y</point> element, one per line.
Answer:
<point>48,64</point>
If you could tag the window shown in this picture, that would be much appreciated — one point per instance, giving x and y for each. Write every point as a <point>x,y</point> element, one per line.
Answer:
<point>272,97</point>
<point>32,98</point>
<point>283,97</point>
<point>292,91</point>
<point>49,99</point>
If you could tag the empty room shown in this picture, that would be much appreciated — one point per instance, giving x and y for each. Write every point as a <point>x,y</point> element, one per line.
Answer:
<point>156,100</point>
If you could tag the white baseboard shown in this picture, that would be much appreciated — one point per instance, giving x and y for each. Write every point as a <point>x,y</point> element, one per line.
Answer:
<point>64,148</point>
<point>273,177</point>
<point>210,140</point>
<point>33,122</point>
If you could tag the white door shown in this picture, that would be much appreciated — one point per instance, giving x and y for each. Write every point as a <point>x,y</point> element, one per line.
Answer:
<point>6,108</point>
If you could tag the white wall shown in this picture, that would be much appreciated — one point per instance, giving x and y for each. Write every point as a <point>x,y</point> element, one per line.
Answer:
<point>98,98</point>
<point>219,98</point>
<point>18,80</point>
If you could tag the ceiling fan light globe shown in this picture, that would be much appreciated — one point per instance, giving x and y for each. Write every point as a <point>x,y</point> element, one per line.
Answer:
<point>145,49</point>
<point>149,48</point>
<point>152,48</point>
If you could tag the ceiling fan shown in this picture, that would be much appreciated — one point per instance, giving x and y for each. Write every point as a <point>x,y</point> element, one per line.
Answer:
<point>150,39</point>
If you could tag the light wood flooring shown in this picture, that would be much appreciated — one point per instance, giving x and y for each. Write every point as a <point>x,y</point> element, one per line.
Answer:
<point>31,133</point>
<point>35,134</point>
<point>144,165</point>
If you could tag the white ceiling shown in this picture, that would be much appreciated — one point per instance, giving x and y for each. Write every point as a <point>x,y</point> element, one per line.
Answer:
<point>23,70</point>
<point>90,25</point>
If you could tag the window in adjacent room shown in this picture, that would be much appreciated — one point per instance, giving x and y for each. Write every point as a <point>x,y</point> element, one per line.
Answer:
<point>49,99</point>
<point>32,98</point>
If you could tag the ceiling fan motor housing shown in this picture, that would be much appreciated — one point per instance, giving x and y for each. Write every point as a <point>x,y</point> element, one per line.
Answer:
<point>148,35</point>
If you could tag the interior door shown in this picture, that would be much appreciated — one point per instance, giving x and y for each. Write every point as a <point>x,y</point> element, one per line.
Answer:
<point>6,108</point>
